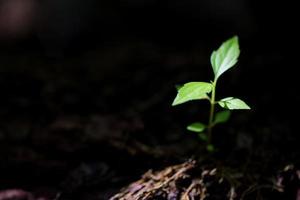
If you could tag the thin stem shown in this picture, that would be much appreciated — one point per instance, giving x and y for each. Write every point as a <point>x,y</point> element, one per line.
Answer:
<point>212,111</point>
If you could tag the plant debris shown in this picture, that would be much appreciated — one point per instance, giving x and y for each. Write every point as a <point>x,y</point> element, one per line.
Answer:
<point>178,182</point>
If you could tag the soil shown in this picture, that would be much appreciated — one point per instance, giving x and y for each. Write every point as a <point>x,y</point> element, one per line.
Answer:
<point>85,127</point>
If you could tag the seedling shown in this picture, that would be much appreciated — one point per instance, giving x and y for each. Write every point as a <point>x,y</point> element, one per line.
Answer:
<point>221,60</point>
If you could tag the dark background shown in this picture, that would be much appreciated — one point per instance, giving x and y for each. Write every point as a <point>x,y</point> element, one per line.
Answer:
<point>74,74</point>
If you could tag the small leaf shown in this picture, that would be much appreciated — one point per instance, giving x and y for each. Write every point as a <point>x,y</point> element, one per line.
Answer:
<point>210,148</point>
<point>192,91</point>
<point>232,103</point>
<point>178,87</point>
<point>222,117</point>
<point>225,57</point>
<point>203,136</point>
<point>196,127</point>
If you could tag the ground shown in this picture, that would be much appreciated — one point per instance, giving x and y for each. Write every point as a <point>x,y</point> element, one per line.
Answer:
<point>84,127</point>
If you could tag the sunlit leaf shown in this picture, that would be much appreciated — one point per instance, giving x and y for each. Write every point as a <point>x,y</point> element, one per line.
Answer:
<point>196,127</point>
<point>232,103</point>
<point>192,91</point>
<point>225,57</point>
<point>222,117</point>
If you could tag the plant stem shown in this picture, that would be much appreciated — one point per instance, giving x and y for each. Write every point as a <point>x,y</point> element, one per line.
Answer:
<point>212,111</point>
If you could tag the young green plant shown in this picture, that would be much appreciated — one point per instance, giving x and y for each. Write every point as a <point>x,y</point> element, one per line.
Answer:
<point>224,58</point>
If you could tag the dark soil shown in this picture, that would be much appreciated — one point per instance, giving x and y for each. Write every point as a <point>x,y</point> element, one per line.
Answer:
<point>84,132</point>
<point>85,107</point>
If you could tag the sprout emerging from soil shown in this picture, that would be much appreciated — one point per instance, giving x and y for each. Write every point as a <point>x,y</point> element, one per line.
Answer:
<point>221,60</point>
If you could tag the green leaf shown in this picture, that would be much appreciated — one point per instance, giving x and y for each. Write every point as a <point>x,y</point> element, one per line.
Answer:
<point>203,137</point>
<point>178,87</point>
<point>222,117</point>
<point>225,57</point>
<point>192,91</point>
<point>210,148</point>
<point>232,103</point>
<point>196,127</point>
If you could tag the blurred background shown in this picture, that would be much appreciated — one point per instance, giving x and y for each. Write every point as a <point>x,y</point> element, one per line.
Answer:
<point>88,85</point>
